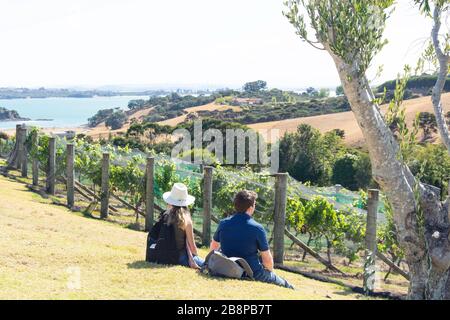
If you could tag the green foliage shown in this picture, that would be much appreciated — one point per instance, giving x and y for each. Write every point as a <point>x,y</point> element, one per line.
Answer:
<point>116,120</point>
<point>387,235</point>
<point>87,162</point>
<point>342,26</point>
<point>128,178</point>
<point>287,106</point>
<point>428,124</point>
<point>100,117</point>
<point>352,171</point>
<point>295,213</point>
<point>433,162</point>
<point>418,84</point>
<point>395,117</point>
<point>344,171</point>
<point>308,155</point>
<point>137,104</point>
<point>340,91</point>
<point>227,183</point>
<point>255,86</point>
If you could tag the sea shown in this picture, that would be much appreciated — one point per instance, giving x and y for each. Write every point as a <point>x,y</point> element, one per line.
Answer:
<point>61,112</point>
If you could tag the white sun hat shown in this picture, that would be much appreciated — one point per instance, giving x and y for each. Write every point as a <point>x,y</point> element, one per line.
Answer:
<point>178,196</point>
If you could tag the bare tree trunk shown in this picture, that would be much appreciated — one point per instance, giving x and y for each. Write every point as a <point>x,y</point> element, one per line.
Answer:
<point>442,78</point>
<point>426,244</point>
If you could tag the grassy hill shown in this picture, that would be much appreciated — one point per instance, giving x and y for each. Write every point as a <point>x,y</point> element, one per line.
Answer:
<point>347,122</point>
<point>49,252</point>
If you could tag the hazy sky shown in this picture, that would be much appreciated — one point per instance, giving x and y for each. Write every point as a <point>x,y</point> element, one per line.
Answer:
<point>196,42</point>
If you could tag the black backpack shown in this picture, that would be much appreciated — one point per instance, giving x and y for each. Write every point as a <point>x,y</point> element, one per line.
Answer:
<point>161,243</point>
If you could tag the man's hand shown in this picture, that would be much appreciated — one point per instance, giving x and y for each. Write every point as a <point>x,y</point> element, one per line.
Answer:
<point>214,245</point>
<point>267,260</point>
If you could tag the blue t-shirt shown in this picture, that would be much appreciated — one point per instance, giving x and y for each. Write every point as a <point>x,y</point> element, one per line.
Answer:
<point>241,236</point>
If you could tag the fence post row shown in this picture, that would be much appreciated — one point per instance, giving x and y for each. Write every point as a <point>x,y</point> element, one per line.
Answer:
<point>371,240</point>
<point>149,194</point>
<point>24,156</point>
<point>105,187</point>
<point>35,166</point>
<point>207,204</point>
<point>70,175</point>
<point>279,217</point>
<point>51,171</point>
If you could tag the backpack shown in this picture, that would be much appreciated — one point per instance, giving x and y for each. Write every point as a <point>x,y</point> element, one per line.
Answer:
<point>161,244</point>
<point>218,264</point>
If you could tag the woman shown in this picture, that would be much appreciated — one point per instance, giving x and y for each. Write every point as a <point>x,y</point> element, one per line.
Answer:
<point>178,215</point>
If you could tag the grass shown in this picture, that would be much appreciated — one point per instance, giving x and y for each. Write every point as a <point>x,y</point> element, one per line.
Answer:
<point>49,252</point>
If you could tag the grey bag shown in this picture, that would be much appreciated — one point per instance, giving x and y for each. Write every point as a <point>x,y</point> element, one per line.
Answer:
<point>217,264</point>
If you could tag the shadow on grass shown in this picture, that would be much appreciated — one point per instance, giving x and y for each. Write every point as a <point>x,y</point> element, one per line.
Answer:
<point>142,264</point>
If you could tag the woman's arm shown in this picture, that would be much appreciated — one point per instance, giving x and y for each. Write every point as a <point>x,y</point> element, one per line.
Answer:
<point>190,236</point>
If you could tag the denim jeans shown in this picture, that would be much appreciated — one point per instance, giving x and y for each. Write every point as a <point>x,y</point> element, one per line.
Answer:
<point>270,277</point>
<point>184,260</point>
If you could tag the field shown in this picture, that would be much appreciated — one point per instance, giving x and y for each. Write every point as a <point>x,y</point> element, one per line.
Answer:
<point>346,120</point>
<point>49,252</point>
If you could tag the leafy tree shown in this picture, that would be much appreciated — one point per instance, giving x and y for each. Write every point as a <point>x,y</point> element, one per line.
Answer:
<point>432,162</point>
<point>255,86</point>
<point>116,120</point>
<point>351,31</point>
<point>100,116</point>
<point>427,122</point>
<point>308,155</point>
<point>339,91</point>
<point>137,104</point>
<point>323,93</point>
<point>344,171</point>
<point>311,92</point>
<point>322,220</point>
<point>363,171</point>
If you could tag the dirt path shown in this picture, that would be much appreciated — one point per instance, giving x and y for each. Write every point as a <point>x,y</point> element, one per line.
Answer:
<point>48,252</point>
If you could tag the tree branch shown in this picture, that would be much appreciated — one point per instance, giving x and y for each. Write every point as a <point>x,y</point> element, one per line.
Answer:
<point>442,78</point>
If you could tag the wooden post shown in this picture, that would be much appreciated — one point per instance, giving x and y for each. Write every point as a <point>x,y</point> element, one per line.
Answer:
<point>51,173</point>
<point>371,240</point>
<point>279,217</point>
<point>70,175</point>
<point>35,167</point>
<point>14,160</point>
<point>448,199</point>
<point>149,194</point>
<point>207,204</point>
<point>20,145</point>
<point>105,187</point>
<point>24,156</point>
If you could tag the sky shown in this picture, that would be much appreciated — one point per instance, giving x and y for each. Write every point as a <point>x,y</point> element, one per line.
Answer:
<point>179,43</point>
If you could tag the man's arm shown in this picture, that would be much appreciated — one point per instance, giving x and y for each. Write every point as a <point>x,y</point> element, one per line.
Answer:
<point>214,245</point>
<point>267,260</point>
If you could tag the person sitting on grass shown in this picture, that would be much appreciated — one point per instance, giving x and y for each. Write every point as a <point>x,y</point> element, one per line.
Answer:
<point>178,217</point>
<point>241,236</point>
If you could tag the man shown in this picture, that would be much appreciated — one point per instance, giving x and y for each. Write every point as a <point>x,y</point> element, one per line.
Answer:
<point>241,236</point>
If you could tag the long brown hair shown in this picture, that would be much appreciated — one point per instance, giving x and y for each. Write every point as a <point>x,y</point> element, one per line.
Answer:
<point>176,216</point>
